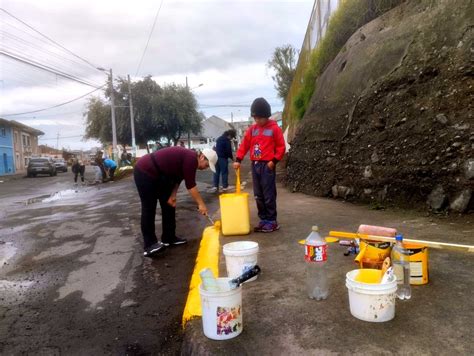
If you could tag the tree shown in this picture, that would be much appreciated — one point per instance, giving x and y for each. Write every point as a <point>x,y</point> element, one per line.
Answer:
<point>159,112</point>
<point>283,61</point>
<point>178,112</point>
<point>98,124</point>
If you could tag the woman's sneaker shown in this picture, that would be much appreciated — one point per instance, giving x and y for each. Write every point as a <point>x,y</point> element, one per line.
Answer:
<point>270,226</point>
<point>154,249</point>
<point>175,242</point>
<point>260,226</point>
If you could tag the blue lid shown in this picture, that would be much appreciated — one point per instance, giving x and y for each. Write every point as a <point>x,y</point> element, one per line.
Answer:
<point>399,237</point>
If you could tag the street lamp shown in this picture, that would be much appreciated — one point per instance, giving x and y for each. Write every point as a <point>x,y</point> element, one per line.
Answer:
<point>200,85</point>
<point>187,87</point>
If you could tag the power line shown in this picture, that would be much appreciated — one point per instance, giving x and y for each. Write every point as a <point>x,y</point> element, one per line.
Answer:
<point>42,116</point>
<point>60,137</point>
<point>25,43</point>
<point>223,106</point>
<point>47,68</point>
<point>55,106</point>
<point>149,37</point>
<point>16,71</point>
<point>50,39</point>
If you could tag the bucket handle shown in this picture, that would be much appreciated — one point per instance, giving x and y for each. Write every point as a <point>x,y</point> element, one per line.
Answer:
<point>237,182</point>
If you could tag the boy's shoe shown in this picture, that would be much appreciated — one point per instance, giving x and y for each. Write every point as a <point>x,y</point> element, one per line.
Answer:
<point>154,249</point>
<point>225,189</point>
<point>270,226</point>
<point>213,190</point>
<point>260,226</point>
<point>175,242</point>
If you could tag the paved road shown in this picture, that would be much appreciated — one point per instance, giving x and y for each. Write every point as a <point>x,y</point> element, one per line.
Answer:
<point>72,276</point>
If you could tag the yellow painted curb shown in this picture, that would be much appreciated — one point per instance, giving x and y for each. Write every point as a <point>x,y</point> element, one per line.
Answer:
<point>208,257</point>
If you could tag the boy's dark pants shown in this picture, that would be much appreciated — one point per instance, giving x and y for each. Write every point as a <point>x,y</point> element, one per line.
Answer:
<point>151,191</point>
<point>264,189</point>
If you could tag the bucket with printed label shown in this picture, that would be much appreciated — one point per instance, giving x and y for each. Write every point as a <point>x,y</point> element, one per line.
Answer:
<point>240,256</point>
<point>418,257</point>
<point>221,311</point>
<point>372,253</point>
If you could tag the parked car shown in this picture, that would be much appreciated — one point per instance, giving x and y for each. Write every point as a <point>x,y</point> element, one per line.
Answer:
<point>41,165</point>
<point>61,165</point>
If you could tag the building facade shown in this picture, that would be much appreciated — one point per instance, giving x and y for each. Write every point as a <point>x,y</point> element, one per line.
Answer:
<point>212,128</point>
<point>7,164</point>
<point>25,144</point>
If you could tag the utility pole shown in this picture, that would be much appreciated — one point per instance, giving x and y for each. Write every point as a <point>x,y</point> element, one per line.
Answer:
<point>57,141</point>
<point>189,134</point>
<point>132,123</point>
<point>231,117</point>
<point>114,128</point>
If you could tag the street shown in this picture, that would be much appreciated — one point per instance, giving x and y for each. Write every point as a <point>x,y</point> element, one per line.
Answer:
<point>73,279</point>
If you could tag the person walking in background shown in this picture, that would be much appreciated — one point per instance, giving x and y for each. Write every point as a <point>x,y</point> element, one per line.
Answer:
<point>124,161</point>
<point>157,177</point>
<point>110,166</point>
<point>224,153</point>
<point>267,147</point>
<point>97,172</point>
<point>99,160</point>
<point>77,168</point>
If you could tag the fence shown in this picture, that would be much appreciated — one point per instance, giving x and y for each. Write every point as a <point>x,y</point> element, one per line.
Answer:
<point>317,26</point>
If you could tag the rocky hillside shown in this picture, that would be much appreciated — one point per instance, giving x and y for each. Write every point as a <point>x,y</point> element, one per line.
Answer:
<point>391,119</point>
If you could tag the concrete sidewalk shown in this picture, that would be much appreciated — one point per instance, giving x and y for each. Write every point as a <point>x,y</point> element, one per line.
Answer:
<point>280,319</point>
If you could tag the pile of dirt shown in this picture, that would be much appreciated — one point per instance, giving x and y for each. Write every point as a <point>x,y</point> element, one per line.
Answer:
<point>391,119</point>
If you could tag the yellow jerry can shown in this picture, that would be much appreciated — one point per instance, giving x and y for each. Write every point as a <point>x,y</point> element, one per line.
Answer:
<point>235,213</point>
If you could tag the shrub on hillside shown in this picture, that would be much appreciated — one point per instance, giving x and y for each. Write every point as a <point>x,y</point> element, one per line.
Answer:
<point>344,22</point>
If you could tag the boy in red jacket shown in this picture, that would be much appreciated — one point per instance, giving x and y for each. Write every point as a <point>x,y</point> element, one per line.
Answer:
<point>265,141</point>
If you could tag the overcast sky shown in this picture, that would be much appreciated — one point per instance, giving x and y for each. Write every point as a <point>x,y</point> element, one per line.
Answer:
<point>224,45</point>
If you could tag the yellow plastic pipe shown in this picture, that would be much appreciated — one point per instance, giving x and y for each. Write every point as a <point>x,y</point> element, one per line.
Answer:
<point>432,244</point>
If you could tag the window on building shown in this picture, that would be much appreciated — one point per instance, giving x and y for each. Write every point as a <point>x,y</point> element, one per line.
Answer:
<point>23,139</point>
<point>3,131</point>
<point>26,162</point>
<point>28,140</point>
<point>16,137</point>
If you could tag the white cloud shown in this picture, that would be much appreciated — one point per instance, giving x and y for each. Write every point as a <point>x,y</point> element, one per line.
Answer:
<point>223,44</point>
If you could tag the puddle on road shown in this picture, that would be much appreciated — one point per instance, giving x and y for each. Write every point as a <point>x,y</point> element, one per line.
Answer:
<point>37,199</point>
<point>48,198</point>
<point>61,195</point>
<point>7,251</point>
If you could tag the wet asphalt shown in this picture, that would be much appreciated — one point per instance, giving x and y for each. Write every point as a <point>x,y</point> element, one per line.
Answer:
<point>72,277</point>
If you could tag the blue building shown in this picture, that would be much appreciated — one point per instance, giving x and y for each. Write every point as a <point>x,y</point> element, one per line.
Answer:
<point>7,164</point>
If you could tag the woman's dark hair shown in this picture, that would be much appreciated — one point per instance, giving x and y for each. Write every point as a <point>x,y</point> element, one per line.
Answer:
<point>232,133</point>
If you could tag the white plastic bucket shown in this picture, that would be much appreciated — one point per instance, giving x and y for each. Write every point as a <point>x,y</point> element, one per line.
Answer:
<point>222,311</point>
<point>370,301</point>
<point>240,256</point>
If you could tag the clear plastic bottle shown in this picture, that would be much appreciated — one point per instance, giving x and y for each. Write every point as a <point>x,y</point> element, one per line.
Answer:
<point>401,268</point>
<point>316,265</point>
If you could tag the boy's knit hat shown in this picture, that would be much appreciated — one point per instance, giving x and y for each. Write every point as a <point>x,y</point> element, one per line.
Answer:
<point>261,108</point>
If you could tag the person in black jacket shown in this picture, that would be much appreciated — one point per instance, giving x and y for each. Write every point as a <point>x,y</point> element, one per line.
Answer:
<point>224,152</point>
<point>78,168</point>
